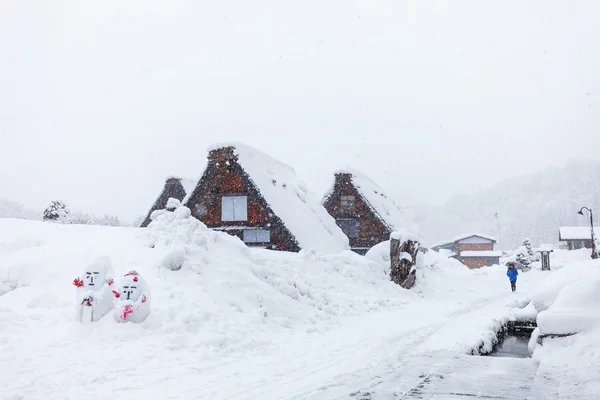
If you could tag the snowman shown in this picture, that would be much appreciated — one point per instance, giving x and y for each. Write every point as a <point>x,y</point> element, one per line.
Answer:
<point>93,294</point>
<point>132,299</point>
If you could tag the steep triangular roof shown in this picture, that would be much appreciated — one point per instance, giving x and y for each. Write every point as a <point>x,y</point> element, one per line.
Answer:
<point>382,205</point>
<point>289,198</point>
<point>174,187</point>
<point>469,235</point>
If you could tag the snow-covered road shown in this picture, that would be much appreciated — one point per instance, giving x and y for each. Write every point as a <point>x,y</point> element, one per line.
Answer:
<point>366,355</point>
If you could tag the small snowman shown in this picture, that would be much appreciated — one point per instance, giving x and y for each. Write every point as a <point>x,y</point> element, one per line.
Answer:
<point>132,299</point>
<point>93,294</point>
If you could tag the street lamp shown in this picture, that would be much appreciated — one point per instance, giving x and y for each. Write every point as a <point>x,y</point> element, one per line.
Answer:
<point>594,251</point>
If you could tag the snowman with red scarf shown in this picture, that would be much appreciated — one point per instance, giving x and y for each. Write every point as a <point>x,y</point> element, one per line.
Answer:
<point>132,299</point>
<point>94,299</point>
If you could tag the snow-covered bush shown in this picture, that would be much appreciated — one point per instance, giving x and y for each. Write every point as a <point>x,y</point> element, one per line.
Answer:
<point>83,218</point>
<point>56,211</point>
<point>77,218</point>
<point>109,220</point>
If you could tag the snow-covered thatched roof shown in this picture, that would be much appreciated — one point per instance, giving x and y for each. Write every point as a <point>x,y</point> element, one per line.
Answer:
<point>187,183</point>
<point>290,199</point>
<point>172,188</point>
<point>382,205</point>
<point>575,233</point>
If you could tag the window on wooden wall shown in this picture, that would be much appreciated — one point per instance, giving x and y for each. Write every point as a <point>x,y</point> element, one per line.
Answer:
<point>234,208</point>
<point>257,236</point>
<point>349,226</point>
<point>347,202</point>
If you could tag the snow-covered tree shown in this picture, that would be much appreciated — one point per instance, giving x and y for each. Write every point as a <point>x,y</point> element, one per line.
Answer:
<point>109,220</point>
<point>525,254</point>
<point>138,221</point>
<point>78,218</point>
<point>56,211</point>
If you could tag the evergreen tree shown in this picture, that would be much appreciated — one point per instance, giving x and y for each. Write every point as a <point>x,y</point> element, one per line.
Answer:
<point>55,211</point>
<point>525,254</point>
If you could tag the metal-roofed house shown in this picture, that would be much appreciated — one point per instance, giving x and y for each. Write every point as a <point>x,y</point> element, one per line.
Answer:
<point>576,237</point>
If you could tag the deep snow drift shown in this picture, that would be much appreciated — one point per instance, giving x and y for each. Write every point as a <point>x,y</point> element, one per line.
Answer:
<point>227,321</point>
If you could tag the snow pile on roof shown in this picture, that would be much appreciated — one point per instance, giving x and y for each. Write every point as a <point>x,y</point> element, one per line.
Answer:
<point>468,235</point>
<point>384,206</point>
<point>481,253</point>
<point>575,233</point>
<point>187,183</point>
<point>290,199</point>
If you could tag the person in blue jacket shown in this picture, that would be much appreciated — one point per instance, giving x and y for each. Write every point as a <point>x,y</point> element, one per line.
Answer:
<point>512,274</point>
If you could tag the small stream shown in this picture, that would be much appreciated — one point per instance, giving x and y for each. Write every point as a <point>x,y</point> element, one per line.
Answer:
<point>513,340</point>
<point>512,346</point>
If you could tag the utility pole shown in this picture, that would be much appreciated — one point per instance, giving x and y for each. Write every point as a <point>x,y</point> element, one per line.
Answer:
<point>595,252</point>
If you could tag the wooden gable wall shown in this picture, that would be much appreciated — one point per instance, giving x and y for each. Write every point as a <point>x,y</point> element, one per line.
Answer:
<point>224,176</point>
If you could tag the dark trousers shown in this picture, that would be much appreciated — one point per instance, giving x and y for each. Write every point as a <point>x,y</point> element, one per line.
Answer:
<point>513,285</point>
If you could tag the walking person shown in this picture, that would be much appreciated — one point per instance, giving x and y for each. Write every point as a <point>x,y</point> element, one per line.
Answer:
<point>512,274</point>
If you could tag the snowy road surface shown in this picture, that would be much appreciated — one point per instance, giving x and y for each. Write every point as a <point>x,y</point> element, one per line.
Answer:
<point>379,354</point>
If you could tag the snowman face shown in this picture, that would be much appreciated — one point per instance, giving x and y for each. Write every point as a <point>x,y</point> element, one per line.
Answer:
<point>130,290</point>
<point>94,279</point>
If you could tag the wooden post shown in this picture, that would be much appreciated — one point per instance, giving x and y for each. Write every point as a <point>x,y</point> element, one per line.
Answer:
<point>545,259</point>
<point>403,256</point>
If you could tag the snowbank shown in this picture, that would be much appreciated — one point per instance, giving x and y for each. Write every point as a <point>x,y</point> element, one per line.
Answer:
<point>224,317</point>
<point>545,296</point>
<point>575,308</point>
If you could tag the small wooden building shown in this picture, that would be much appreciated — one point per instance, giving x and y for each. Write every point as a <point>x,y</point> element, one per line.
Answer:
<point>175,187</point>
<point>576,237</point>
<point>249,194</point>
<point>475,250</point>
<point>364,212</point>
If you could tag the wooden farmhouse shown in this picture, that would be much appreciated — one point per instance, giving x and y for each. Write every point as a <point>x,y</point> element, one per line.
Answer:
<point>248,194</point>
<point>362,210</point>
<point>576,237</point>
<point>475,250</point>
<point>174,187</point>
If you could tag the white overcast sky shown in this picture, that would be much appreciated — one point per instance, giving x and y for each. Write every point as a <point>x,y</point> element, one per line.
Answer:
<point>100,101</point>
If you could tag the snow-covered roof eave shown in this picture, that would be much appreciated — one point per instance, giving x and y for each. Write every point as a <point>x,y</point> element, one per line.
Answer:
<point>440,244</point>
<point>468,235</point>
<point>575,233</point>
<point>482,254</point>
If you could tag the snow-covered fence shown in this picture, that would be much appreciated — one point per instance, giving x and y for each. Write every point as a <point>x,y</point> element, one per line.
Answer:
<point>403,257</point>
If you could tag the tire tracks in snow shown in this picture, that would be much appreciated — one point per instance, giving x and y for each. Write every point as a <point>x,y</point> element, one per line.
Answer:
<point>402,347</point>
